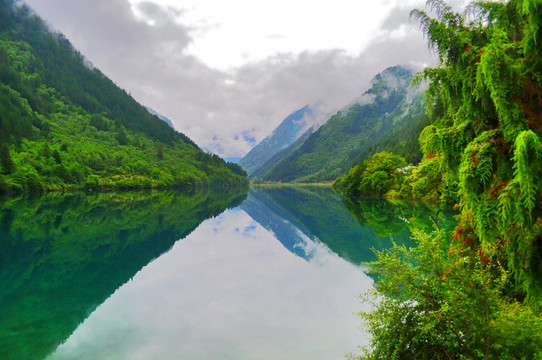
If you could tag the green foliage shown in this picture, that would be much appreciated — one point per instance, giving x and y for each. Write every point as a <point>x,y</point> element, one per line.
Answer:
<point>121,136</point>
<point>380,175</point>
<point>482,297</point>
<point>349,184</point>
<point>438,301</point>
<point>64,125</point>
<point>160,151</point>
<point>485,103</point>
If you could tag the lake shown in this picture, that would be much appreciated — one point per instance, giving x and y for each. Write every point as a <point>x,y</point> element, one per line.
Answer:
<point>272,274</point>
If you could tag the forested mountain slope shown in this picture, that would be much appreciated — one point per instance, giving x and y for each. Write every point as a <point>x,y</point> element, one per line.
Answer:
<point>389,116</point>
<point>64,125</point>
<point>284,153</point>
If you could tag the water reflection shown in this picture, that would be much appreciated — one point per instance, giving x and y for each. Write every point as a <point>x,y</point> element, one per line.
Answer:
<point>267,280</point>
<point>351,229</point>
<point>62,255</point>
<point>228,291</point>
<point>269,215</point>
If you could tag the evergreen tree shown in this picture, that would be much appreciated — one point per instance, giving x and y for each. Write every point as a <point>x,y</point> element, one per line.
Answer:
<point>46,152</point>
<point>159,151</point>
<point>121,136</point>
<point>56,156</point>
<point>5,159</point>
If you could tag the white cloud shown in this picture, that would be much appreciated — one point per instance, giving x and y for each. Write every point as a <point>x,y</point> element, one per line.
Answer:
<point>229,34</point>
<point>227,71</point>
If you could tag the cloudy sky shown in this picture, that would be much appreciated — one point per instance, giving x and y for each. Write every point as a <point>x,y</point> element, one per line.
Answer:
<point>228,72</point>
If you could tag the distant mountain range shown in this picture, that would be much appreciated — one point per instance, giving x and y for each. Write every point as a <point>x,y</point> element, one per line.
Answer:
<point>389,116</point>
<point>289,130</point>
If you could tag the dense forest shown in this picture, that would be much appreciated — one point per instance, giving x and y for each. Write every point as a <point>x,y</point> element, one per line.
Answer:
<point>65,125</point>
<point>389,116</point>
<point>476,294</point>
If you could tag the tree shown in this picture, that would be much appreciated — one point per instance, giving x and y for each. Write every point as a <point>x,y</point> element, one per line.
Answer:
<point>159,151</point>
<point>121,136</point>
<point>56,156</point>
<point>46,151</point>
<point>485,99</point>
<point>480,297</point>
<point>52,102</point>
<point>5,159</point>
<point>438,301</point>
<point>376,176</point>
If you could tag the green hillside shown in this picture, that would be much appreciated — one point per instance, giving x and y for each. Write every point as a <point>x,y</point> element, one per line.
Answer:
<point>391,107</point>
<point>65,125</point>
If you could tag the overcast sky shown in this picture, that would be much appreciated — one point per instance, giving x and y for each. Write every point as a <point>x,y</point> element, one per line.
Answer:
<point>228,72</point>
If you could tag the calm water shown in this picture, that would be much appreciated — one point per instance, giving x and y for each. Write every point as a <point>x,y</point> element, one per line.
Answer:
<point>274,274</point>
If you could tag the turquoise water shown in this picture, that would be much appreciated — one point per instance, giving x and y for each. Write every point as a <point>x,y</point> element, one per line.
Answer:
<point>273,274</point>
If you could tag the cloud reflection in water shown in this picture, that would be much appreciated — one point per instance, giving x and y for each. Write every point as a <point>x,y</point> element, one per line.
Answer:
<point>230,290</point>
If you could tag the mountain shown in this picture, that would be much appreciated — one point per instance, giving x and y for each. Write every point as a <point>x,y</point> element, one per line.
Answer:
<point>161,117</point>
<point>289,130</point>
<point>389,116</point>
<point>64,125</point>
<point>282,154</point>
